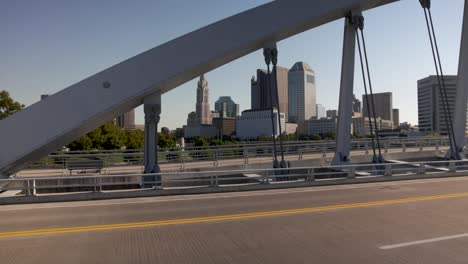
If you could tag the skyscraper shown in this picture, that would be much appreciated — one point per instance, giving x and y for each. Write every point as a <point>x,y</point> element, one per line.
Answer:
<point>203,111</point>
<point>260,92</point>
<point>396,117</point>
<point>302,93</point>
<point>127,120</point>
<point>226,107</point>
<point>254,94</point>
<point>321,112</point>
<point>356,105</point>
<point>431,114</point>
<point>383,104</point>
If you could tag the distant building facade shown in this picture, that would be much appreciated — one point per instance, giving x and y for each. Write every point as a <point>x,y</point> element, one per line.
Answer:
<point>203,111</point>
<point>206,131</point>
<point>260,91</point>
<point>431,115</point>
<point>226,107</point>
<point>332,114</point>
<point>356,105</point>
<point>255,123</point>
<point>226,126</point>
<point>301,93</point>
<point>361,125</point>
<point>316,127</point>
<point>127,120</point>
<point>383,103</point>
<point>321,111</point>
<point>396,117</point>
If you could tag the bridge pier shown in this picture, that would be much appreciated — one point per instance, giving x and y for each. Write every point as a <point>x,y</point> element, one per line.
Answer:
<point>459,122</point>
<point>345,107</point>
<point>152,108</point>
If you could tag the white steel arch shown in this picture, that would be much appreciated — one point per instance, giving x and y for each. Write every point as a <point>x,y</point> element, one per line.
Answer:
<point>49,124</point>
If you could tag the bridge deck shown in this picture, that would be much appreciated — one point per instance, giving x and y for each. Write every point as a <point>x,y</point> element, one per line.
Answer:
<point>309,225</point>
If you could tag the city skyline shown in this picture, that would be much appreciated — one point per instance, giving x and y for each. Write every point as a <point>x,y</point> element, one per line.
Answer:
<point>397,74</point>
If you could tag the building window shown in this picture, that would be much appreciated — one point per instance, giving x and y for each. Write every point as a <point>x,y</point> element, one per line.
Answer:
<point>310,79</point>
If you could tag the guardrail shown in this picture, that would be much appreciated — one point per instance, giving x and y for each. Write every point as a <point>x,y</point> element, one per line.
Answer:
<point>180,180</point>
<point>293,149</point>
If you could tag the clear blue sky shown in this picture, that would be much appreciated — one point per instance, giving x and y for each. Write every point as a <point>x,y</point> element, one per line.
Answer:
<point>48,45</point>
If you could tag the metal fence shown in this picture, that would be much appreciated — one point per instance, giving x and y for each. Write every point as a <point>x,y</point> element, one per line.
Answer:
<point>243,153</point>
<point>174,180</point>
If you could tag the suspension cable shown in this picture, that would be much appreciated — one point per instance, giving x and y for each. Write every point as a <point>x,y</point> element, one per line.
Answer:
<point>267,55</point>
<point>371,93</point>
<point>426,4</point>
<point>358,23</point>
<point>367,100</point>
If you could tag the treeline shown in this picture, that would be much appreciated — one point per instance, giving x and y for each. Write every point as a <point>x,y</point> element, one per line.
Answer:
<point>110,136</point>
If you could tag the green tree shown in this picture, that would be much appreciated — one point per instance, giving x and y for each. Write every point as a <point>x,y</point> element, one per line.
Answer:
<point>200,142</point>
<point>135,139</point>
<point>83,143</point>
<point>8,106</point>
<point>216,142</point>
<point>166,141</point>
<point>315,137</point>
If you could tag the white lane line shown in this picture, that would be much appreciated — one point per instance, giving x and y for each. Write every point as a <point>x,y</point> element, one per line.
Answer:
<point>146,200</point>
<point>425,241</point>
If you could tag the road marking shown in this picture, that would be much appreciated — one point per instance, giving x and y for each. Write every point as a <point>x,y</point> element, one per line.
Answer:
<point>156,199</point>
<point>425,241</point>
<point>224,217</point>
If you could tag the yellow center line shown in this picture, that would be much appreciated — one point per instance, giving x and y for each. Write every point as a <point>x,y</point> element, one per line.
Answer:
<point>224,217</point>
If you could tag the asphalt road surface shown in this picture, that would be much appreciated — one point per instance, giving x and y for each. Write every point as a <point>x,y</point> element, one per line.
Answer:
<point>422,221</point>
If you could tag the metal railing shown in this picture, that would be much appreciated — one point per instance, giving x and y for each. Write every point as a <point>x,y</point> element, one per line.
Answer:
<point>173,180</point>
<point>243,153</point>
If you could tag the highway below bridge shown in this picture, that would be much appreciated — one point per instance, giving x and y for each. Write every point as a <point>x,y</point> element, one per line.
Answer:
<point>417,221</point>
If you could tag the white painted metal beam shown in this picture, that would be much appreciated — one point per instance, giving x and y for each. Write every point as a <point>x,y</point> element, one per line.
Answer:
<point>49,124</point>
<point>459,122</point>
<point>345,104</point>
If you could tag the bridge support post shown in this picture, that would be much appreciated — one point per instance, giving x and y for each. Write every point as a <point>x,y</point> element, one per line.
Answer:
<point>459,122</point>
<point>152,108</point>
<point>345,107</point>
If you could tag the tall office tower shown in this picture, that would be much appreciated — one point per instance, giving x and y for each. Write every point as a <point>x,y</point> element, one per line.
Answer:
<point>321,112</point>
<point>302,93</point>
<point>396,117</point>
<point>332,114</point>
<point>254,94</point>
<point>127,120</point>
<point>431,114</point>
<point>356,105</point>
<point>203,111</point>
<point>383,104</point>
<point>226,107</point>
<point>260,92</point>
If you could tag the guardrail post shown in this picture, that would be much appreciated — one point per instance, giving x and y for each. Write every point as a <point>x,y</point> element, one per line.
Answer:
<point>422,168</point>
<point>388,170</point>
<point>311,175</point>
<point>367,148</point>
<point>33,188</point>
<point>352,173</point>
<point>452,166</point>
<point>215,159</point>
<point>300,153</point>
<point>246,156</point>
<point>324,151</point>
